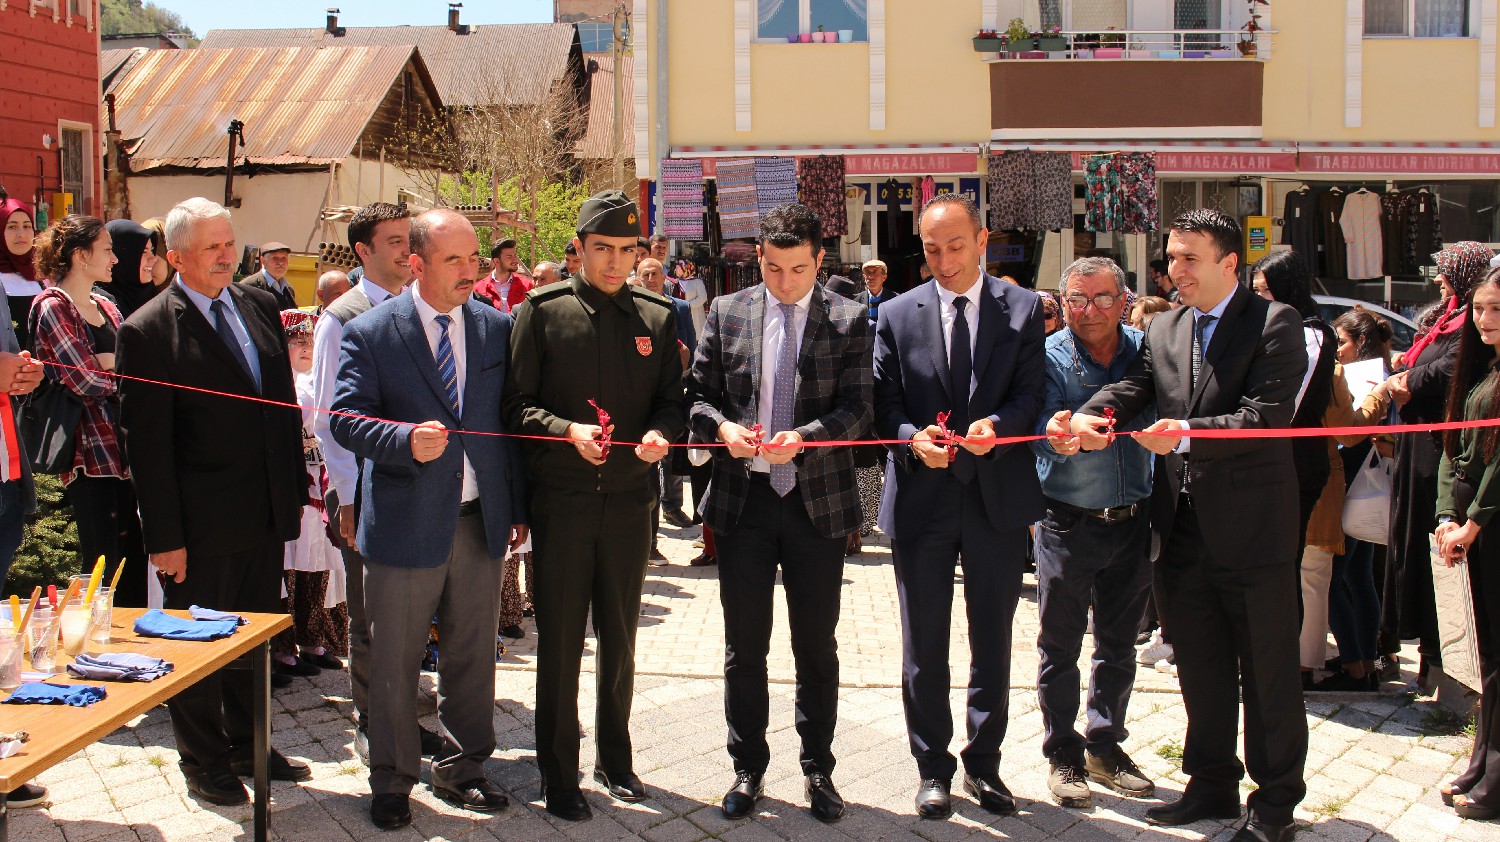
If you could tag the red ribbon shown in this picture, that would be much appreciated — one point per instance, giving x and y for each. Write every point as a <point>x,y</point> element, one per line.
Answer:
<point>603,429</point>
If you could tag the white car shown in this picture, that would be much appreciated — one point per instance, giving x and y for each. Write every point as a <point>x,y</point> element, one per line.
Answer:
<point>1403,330</point>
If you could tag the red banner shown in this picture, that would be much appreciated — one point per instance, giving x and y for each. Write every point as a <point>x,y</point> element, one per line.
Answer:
<point>1411,162</point>
<point>1216,162</point>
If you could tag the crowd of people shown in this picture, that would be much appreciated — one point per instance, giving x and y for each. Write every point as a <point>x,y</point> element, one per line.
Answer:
<point>614,376</point>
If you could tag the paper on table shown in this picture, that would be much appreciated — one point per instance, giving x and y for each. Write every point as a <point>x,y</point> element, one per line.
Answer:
<point>1363,376</point>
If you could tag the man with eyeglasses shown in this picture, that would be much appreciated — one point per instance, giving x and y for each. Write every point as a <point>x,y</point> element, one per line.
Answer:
<point>1092,546</point>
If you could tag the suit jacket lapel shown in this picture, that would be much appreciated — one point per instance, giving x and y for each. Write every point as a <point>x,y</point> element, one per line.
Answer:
<point>1223,332</point>
<point>191,317</point>
<point>409,325</point>
<point>757,320</point>
<point>473,345</point>
<point>930,314</point>
<point>817,316</point>
<point>264,340</point>
<point>992,313</point>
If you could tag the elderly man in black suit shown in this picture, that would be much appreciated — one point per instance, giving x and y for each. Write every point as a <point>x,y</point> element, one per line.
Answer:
<point>1225,512</point>
<point>275,259</point>
<point>221,481</point>
<point>781,364</point>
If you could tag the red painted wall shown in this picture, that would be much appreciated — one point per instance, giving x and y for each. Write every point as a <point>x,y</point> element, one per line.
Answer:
<point>49,71</point>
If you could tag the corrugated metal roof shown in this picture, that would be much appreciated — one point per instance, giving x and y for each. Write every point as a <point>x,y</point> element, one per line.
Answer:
<point>598,140</point>
<point>111,62</point>
<point>504,64</point>
<point>306,105</point>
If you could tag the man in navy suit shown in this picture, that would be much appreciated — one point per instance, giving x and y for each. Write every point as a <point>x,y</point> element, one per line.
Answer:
<point>970,345</point>
<point>436,512</point>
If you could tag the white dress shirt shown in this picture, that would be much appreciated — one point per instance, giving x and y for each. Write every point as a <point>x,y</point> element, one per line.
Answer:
<point>328,334</point>
<point>237,324</point>
<point>696,295</point>
<point>773,333</point>
<point>456,332</point>
<point>949,314</point>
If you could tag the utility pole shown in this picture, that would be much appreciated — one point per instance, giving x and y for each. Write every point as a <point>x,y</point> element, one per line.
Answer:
<point>618,51</point>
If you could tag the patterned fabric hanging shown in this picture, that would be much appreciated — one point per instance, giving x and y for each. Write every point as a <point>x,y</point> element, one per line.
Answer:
<point>775,183</point>
<point>739,215</point>
<point>682,198</point>
<point>820,182</point>
<point>1120,192</point>
<point>1031,191</point>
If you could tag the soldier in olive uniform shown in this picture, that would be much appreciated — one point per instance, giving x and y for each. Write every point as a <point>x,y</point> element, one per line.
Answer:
<point>592,338</point>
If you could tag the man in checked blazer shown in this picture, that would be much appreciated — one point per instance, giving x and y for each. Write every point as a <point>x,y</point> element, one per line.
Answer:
<point>779,364</point>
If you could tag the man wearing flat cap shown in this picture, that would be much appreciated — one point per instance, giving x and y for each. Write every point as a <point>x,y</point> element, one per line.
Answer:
<point>876,294</point>
<point>589,342</point>
<point>274,259</point>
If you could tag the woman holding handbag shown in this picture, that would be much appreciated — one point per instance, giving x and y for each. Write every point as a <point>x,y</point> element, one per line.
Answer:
<point>75,326</point>
<point>1468,498</point>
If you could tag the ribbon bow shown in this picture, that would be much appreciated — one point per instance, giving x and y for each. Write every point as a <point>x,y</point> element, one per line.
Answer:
<point>949,440</point>
<point>603,429</point>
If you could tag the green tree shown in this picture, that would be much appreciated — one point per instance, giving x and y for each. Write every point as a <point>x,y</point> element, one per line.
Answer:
<point>130,17</point>
<point>557,212</point>
<point>49,547</point>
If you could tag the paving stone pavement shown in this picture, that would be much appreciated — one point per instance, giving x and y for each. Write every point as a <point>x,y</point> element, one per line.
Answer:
<point>1373,767</point>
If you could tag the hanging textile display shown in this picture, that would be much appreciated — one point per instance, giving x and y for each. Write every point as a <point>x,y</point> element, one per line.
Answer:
<point>682,199</point>
<point>820,183</point>
<point>775,184</point>
<point>1120,192</point>
<point>1360,223</point>
<point>1424,231</point>
<point>739,215</point>
<point>1299,226</point>
<point>1031,191</point>
<point>1395,209</point>
<point>1335,250</point>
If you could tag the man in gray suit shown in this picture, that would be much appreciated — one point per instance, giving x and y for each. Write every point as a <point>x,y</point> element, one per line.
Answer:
<point>783,363</point>
<point>434,358</point>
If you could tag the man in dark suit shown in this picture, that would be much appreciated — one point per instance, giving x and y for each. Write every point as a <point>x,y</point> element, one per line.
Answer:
<point>1225,512</point>
<point>782,363</point>
<point>435,357</point>
<point>970,345</point>
<point>221,482</point>
<point>275,258</point>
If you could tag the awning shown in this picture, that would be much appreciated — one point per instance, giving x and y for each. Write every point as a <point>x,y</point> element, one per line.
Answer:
<point>861,160</point>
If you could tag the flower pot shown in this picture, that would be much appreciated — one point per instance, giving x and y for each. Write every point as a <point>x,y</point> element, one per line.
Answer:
<point>1049,44</point>
<point>1247,47</point>
<point>988,45</point>
<point>818,37</point>
<point>791,39</point>
<point>804,38</point>
<point>846,36</point>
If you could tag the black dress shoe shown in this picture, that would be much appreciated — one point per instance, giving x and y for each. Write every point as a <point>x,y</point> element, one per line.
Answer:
<point>677,518</point>
<point>390,810</point>
<point>280,680</point>
<point>478,795</point>
<point>283,768</point>
<point>1189,809</point>
<point>302,667</point>
<point>513,632</point>
<point>704,560</point>
<point>622,787</point>
<point>323,660</point>
<point>742,797</point>
<point>656,554</point>
<point>567,804</point>
<point>1255,831</point>
<point>991,793</point>
<point>933,800</point>
<point>216,786</point>
<point>432,744</point>
<point>824,802</point>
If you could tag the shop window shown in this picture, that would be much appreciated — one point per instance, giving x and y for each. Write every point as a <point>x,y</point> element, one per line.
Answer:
<point>776,19</point>
<point>1469,210</point>
<point>1417,18</point>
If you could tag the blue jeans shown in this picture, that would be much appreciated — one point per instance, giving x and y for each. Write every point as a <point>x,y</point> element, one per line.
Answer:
<point>12,516</point>
<point>1354,604</point>
<point>1083,562</point>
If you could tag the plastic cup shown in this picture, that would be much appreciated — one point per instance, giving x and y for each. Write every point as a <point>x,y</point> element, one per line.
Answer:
<point>11,644</point>
<point>75,626</point>
<point>41,640</point>
<point>101,616</point>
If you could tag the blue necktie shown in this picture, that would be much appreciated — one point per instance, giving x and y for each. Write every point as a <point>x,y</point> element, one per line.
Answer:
<point>447,369</point>
<point>784,398</point>
<point>960,374</point>
<point>226,333</point>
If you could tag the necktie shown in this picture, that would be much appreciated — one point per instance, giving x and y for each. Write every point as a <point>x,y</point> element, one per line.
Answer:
<point>447,369</point>
<point>1200,325</point>
<point>226,333</point>
<point>960,373</point>
<point>784,396</point>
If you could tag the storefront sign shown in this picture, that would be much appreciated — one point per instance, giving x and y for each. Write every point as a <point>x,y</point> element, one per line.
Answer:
<point>1413,162</point>
<point>1221,162</point>
<point>928,163</point>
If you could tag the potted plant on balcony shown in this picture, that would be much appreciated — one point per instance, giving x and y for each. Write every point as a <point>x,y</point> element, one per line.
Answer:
<point>1247,44</point>
<point>1049,40</point>
<point>988,41</point>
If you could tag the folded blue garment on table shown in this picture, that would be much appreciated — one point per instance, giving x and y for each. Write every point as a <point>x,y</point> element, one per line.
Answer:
<point>154,623</point>
<point>43,693</point>
<point>119,666</point>
<point>201,613</point>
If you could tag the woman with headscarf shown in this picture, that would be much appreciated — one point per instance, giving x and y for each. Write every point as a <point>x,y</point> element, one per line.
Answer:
<point>132,282</point>
<point>1421,390</point>
<point>17,264</point>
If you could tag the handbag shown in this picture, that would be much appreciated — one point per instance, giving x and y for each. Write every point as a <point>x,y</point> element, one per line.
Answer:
<point>1367,505</point>
<point>48,423</point>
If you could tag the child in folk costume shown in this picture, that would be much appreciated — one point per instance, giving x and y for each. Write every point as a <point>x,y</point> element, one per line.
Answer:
<point>314,579</point>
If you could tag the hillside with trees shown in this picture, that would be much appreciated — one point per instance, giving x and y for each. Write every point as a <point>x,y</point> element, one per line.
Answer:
<point>130,17</point>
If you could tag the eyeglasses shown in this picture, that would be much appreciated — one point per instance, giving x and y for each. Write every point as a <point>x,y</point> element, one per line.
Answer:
<point>1102,301</point>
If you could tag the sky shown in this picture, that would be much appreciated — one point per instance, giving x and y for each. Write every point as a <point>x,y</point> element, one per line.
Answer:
<point>203,15</point>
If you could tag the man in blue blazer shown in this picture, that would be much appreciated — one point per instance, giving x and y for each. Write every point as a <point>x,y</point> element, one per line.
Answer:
<point>437,512</point>
<point>970,345</point>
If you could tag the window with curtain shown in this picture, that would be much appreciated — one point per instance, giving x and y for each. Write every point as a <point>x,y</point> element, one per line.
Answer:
<point>776,19</point>
<point>1418,18</point>
<point>1196,14</point>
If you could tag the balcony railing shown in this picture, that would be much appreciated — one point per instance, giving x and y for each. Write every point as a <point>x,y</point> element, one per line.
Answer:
<point>1146,44</point>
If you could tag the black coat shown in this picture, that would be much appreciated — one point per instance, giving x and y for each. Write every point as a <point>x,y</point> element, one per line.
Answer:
<point>284,300</point>
<point>214,474</point>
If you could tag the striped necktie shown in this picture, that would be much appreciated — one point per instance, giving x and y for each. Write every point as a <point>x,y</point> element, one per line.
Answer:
<point>447,369</point>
